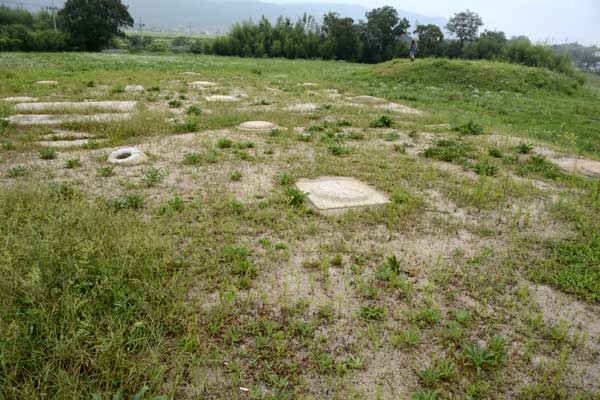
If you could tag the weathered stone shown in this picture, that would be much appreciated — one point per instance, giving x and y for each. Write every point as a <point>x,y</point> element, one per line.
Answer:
<point>127,156</point>
<point>579,165</point>
<point>122,106</point>
<point>399,108</point>
<point>21,99</point>
<point>47,83</point>
<point>202,84</point>
<point>64,143</point>
<point>368,99</point>
<point>220,99</point>
<point>134,89</point>
<point>56,119</point>
<point>340,193</point>
<point>306,107</point>
<point>257,126</point>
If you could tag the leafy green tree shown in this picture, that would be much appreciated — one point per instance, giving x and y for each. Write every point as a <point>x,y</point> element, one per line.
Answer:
<point>430,39</point>
<point>341,38</point>
<point>489,46</point>
<point>465,25</point>
<point>381,34</point>
<point>93,23</point>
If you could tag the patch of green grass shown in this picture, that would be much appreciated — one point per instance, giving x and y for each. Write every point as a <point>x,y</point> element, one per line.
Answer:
<point>153,176</point>
<point>572,266</point>
<point>85,287</point>
<point>7,145</point>
<point>194,110</point>
<point>190,124</point>
<point>175,103</point>
<point>225,143</point>
<point>382,122</point>
<point>485,167</point>
<point>524,148</point>
<point>17,171</point>
<point>48,153</point>
<point>470,128</point>
<point>192,158</point>
<point>235,176</point>
<point>73,163</point>
<point>297,197</point>
<point>106,171</point>
<point>449,150</point>
<point>339,150</point>
<point>134,201</point>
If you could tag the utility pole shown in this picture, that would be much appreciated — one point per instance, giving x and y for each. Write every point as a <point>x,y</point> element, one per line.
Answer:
<point>141,26</point>
<point>54,8</point>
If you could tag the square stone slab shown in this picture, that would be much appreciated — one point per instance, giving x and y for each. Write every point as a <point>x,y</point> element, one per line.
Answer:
<point>334,193</point>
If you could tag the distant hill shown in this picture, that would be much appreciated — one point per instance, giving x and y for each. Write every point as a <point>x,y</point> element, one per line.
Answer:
<point>211,16</point>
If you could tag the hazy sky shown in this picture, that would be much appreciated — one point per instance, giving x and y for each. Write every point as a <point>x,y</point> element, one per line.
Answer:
<point>541,20</point>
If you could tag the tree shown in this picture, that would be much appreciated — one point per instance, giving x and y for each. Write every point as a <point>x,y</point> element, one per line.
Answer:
<point>489,46</point>
<point>430,38</point>
<point>381,33</point>
<point>465,25</point>
<point>341,38</point>
<point>93,23</point>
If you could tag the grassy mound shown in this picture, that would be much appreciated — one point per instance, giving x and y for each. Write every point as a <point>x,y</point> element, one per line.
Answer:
<point>481,75</point>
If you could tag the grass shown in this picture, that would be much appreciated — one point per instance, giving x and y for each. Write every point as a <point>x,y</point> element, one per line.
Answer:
<point>197,285</point>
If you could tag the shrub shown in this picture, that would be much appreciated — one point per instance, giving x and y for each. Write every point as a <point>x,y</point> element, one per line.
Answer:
<point>470,128</point>
<point>297,197</point>
<point>382,122</point>
<point>73,163</point>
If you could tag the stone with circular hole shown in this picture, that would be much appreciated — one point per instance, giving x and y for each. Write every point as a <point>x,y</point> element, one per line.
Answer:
<point>340,193</point>
<point>257,126</point>
<point>220,99</point>
<point>127,156</point>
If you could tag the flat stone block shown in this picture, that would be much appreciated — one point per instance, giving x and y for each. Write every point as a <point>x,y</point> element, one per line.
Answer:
<point>121,106</point>
<point>340,193</point>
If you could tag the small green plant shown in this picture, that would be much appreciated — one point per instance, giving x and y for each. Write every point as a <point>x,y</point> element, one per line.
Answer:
<point>400,196</point>
<point>154,176</point>
<point>449,150</point>
<point>188,125</point>
<point>194,110</point>
<point>372,313</point>
<point>17,171</point>
<point>408,337</point>
<point>106,171</point>
<point>423,394</point>
<point>8,145</point>
<point>235,176</point>
<point>391,136</point>
<point>176,204</point>
<point>245,145</point>
<point>339,150</point>
<point>524,148</point>
<point>296,196</point>
<point>224,143</point>
<point>485,167</point>
<point>285,179</point>
<point>91,144</point>
<point>192,158</point>
<point>440,370</point>
<point>134,201</point>
<point>495,152</point>
<point>175,103</point>
<point>426,316</point>
<point>48,153</point>
<point>73,163</point>
<point>382,122</point>
<point>470,128</point>
<point>478,357</point>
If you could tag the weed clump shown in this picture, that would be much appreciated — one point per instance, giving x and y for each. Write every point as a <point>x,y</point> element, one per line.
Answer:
<point>470,128</point>
<point>382,122</point>
<point>48,153</point>
<point>449,150</point>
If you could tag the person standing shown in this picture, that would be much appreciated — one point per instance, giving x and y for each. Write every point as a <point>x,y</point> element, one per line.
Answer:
<point>413,50</point>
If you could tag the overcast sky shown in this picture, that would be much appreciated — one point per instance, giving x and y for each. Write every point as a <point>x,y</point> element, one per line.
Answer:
<point>541,20</point>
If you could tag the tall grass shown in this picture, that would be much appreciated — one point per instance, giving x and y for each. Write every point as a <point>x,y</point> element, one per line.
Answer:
<point>87,297</point>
